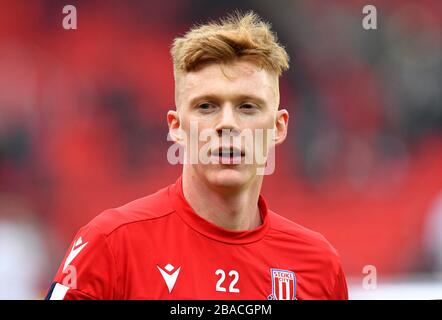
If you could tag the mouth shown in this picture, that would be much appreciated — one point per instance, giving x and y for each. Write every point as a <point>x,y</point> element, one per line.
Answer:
<point>228,155</point>
<point>229,152</point>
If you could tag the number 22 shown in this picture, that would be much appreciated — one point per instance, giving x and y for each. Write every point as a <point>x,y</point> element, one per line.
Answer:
<point>222,274</point>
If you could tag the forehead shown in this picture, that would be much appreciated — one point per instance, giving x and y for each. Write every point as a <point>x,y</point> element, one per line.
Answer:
<point>224,80</point>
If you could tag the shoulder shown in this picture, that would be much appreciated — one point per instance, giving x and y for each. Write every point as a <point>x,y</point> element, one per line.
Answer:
<point>151,207</point>
<point>309,240</point>
<point>314,253</point>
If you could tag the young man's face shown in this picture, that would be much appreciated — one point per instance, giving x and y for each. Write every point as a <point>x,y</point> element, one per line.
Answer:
<point>230,111</point>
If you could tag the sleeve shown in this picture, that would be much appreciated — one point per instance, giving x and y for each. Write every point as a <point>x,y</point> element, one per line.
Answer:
<point>340,290</point>
<point>88,270</point>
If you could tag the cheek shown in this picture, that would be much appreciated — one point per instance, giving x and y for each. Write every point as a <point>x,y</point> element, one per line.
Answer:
<point>193,128</point>
<point>188,121</point>
<point>263,121</point>
<point>267,123</point>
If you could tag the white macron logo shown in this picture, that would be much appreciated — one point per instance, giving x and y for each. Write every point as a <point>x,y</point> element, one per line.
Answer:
<point>76,248</point>
<point>169,277</point>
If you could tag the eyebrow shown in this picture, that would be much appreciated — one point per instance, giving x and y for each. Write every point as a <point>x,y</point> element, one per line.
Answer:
<point>241,97</point>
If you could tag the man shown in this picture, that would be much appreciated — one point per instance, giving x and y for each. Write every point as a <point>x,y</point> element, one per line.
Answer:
<point>210,234</point>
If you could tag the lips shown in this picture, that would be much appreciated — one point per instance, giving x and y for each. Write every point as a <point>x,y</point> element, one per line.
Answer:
<point>227,155</point>
<point>228,152</point>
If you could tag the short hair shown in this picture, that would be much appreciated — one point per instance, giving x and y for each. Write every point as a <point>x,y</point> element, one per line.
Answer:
<point>239,35</point>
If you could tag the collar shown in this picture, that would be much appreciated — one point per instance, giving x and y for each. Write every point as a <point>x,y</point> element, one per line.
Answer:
<point>210,230</point>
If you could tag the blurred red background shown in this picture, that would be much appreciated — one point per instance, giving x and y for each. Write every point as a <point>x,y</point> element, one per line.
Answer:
<point>83,126</point>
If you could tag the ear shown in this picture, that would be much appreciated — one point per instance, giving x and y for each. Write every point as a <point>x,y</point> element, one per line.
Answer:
<point>173,121</point>
<point>281,124</point>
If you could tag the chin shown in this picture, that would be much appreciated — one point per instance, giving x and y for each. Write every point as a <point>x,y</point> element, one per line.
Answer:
<point>229,177</point>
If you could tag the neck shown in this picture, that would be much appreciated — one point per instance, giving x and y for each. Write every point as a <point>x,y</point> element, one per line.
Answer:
<point>233,209</point>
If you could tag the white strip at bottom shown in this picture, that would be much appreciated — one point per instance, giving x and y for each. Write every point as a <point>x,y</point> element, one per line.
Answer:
<point>59,292</point>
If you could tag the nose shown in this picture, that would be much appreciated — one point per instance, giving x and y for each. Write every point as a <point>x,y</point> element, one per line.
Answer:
<point>227,121</point>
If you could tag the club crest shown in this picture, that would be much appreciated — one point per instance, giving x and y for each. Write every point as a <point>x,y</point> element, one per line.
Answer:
<point>283,285</point>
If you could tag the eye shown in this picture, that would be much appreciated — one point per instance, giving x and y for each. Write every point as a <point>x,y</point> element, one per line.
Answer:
<point>248,107</point>
<point>206,107</point>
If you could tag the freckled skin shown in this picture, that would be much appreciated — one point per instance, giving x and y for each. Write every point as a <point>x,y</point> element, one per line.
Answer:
<point>229,85</point>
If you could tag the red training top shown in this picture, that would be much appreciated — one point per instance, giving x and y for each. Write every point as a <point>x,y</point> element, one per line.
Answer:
<point>157,247</point>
